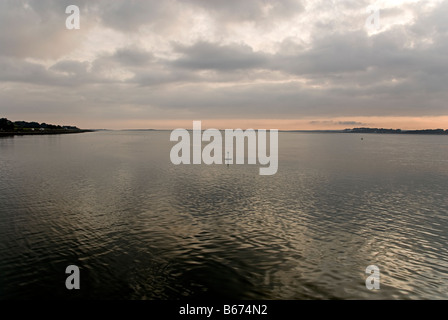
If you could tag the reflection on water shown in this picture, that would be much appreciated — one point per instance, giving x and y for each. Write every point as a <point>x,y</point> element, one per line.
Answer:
<point>141,228</point>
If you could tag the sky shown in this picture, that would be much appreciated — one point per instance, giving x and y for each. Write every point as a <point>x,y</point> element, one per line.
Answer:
<point>262,64</point>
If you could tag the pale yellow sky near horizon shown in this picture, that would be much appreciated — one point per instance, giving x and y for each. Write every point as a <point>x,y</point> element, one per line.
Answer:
<point>297,124</point>
<point>406,123</point>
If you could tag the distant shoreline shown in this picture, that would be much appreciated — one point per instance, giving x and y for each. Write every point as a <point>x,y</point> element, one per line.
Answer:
<point>355,130</point>
<point>396,131</point>
<point>45,132</point>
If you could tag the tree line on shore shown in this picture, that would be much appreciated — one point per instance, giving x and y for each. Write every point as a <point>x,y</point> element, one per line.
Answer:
<point>23,126</point>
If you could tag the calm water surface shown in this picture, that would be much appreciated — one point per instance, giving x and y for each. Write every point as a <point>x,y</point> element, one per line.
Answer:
<point>139,227</point>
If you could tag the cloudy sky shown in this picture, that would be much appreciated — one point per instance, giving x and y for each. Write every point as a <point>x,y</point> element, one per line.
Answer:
<point>291,64</point>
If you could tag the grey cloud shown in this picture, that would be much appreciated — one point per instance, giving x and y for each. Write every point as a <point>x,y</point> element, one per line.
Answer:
<point>250,10</point>
<point>133,56</point>
<point>204,55</point>
<point>37,29</point>
<point>71,67</point>
<point>233,9</point>
<point>132,59</point>
<point>161,77</point>
<point>339,73</point>
<point>62,73</point>
<point>129,16</point>
<point>338,53</point>
<point>15,70</point>
<point>276,101</point>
